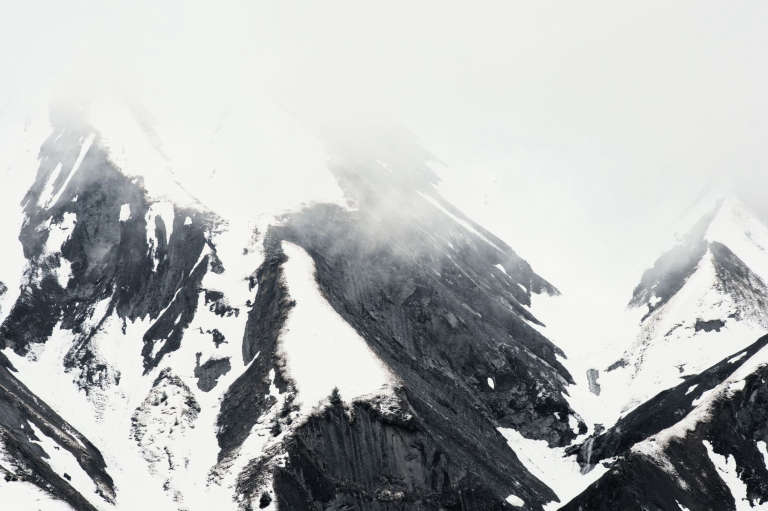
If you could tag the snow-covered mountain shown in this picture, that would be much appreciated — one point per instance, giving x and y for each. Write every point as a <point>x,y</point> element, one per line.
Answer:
<point>701,301</point>
<point>691,429</point>
<point>326,331</point>
<point>357,353</point>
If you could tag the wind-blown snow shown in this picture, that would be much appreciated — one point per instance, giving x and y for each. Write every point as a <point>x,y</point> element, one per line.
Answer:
<point>466,225</point>
<point>322,350</point>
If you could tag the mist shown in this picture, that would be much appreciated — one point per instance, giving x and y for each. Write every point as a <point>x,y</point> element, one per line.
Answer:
<point>579,133</point>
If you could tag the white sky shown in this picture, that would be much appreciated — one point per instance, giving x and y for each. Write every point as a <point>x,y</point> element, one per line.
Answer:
<point>578,131</point>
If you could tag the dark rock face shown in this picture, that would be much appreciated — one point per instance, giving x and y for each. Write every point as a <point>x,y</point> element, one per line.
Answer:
<point>709,326</point>
<point>444,304</point>
<point>682,470</point>
<point>218,304</point>
<point>616,365</point>
<point>18,409</point>
<point>405,466</point>
<point>418,306</point>
<point>593,375</point>
<point>143,270</point>
<point>208,373</point>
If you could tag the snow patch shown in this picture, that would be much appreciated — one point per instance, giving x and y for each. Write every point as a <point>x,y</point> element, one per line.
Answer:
<point>322,350</point>
<point>125,212</point>
<point>761,446</point>
<point>491,383</point>
<point>515,501</point>
<point>736,358</point>
<point>165,211</point>
<point>562,474</point>
<point>47,192</point>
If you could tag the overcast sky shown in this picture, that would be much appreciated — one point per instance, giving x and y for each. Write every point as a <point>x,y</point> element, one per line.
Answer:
<point>578,131</point>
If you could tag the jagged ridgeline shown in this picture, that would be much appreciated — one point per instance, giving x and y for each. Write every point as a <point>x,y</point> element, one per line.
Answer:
<point>156,356</point>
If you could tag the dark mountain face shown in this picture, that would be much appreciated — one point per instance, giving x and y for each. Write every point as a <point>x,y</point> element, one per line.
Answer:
<point>411,281</point>
<point>444,305</point>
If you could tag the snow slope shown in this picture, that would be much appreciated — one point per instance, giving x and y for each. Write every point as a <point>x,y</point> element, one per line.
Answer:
<point>322,351</point>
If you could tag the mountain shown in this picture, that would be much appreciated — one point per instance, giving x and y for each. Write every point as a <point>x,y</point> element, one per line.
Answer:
<point>691,432</point>
<point>283,318</point>
<point>702,300</point>
<point>357,354</point>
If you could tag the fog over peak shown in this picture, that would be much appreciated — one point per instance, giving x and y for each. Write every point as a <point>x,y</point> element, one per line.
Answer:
<point>576,133</point>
